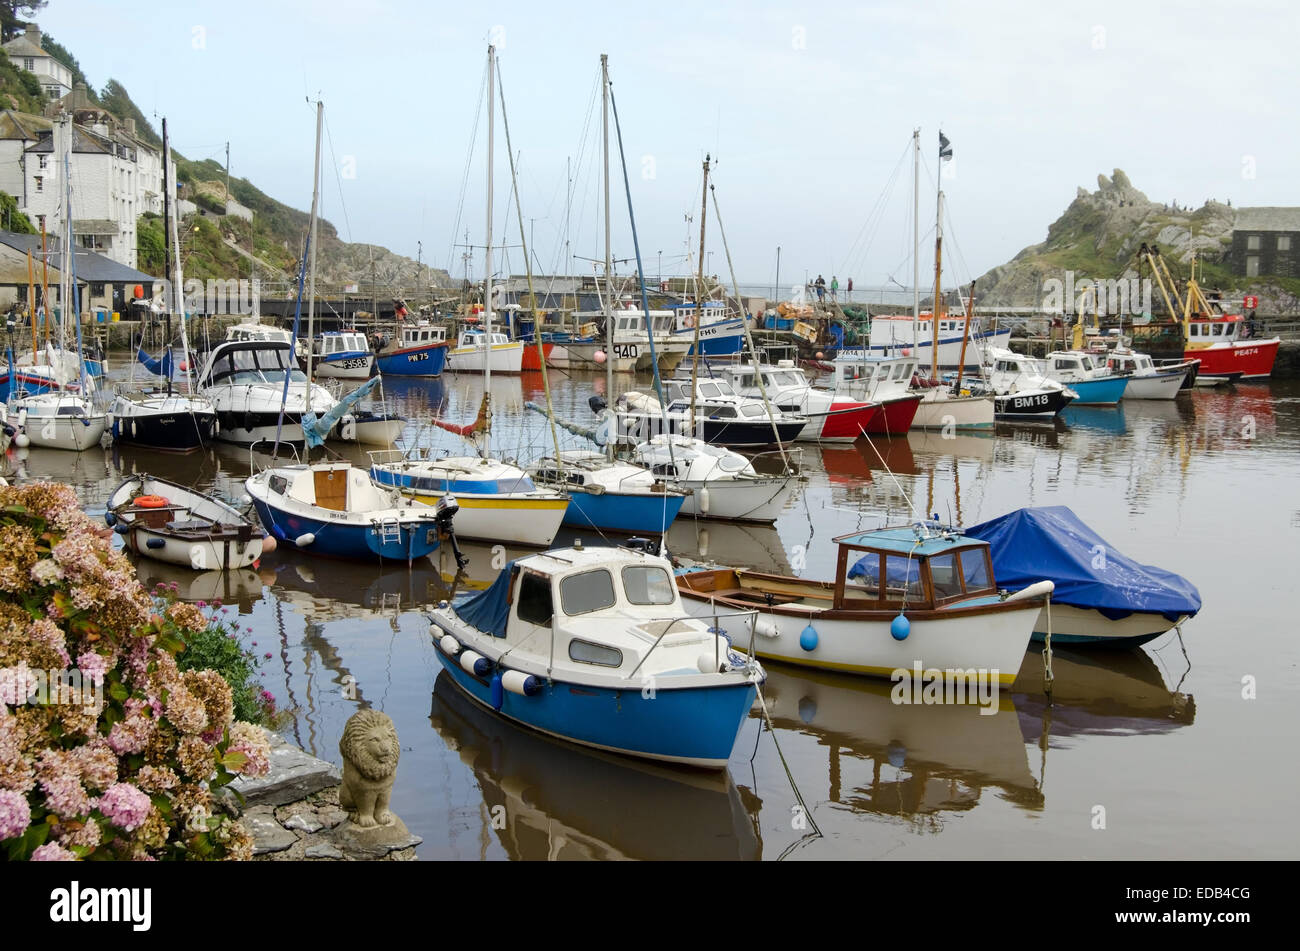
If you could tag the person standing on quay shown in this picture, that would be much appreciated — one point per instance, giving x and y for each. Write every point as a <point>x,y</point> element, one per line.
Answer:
<point>835,286</point>
<point>821,288</point>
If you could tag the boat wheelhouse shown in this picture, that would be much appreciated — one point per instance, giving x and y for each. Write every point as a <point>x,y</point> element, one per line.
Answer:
<point>473,353</point>
<point>883,380</point>
<point>343,354</point>
<point>1093,383</point>
<point>832,417</point>
<point>1021,389</point>
<point>1146,380</point>
<point>722,416</point>
<point>1223,344</point>
<point>921,595</point>
<point>245,381</point>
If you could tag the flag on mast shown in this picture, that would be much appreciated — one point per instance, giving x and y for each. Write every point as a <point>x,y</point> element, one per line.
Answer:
<point>945,148</point>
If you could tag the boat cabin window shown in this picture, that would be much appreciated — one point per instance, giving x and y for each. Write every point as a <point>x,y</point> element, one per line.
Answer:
<point>787,378</point>
<point>944,576</point>
<point>753,409</point>
<point>585,652</point>
<point>1063,364</point>
<point>587,592</point>
<point>709,389</point>
<point>901,371</point>
<point>535,598</point>
<point>720,412</point>
<point>975,569</point>
<point>647,584</point>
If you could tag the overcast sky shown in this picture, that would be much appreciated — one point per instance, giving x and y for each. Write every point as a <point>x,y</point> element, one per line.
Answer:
<point>808,109</point>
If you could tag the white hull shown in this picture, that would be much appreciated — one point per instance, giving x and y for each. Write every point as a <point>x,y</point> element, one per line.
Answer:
<point>1162,387</point>
<point>150,536</point>
<point>949,347</point>
<point>575,355</point>
<point>527,519</point>
<point>741,500</point>
<point>351,368</point>
<point>1072,625</point>
<point>938,410</point>
<point>506,358</point>
<point>72,433</point>
<point>994,641</point>
<point>379,432</point>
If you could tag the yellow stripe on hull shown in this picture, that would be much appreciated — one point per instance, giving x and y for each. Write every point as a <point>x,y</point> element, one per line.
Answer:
<point>490,502</point>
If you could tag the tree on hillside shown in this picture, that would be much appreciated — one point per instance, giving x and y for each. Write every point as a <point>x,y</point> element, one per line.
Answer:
<point>12,12</point>
<point>116,100</point>
<point>11,219</point>
<point>61,53</point>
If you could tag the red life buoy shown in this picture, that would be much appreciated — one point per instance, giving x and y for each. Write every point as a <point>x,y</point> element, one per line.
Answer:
<point>150,502</point>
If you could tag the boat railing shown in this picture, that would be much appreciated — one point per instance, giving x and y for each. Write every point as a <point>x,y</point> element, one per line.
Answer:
<point>716,630</point>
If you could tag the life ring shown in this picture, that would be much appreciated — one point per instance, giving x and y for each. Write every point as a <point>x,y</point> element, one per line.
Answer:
<point>150,502</point>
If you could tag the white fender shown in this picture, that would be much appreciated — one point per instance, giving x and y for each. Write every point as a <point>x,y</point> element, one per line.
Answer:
<point>765,627</point>
<point>1036,590</point>
<point>449,645</point>
<point>305,539</point>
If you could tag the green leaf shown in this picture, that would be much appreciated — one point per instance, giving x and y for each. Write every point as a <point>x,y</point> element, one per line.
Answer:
<point>118,692</point>
<point>234,761</point>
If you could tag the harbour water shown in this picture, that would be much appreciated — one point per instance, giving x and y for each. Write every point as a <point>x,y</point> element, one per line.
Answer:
<point>1183,748</point>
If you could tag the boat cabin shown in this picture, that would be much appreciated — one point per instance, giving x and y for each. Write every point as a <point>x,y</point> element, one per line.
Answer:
<point>1073,366</point>
<point>714,311</point>
<point>876,378</point>
<point>340,488</point>
<point>347,343</point>
<point>1138,364</point>
<point>1207,331</point>
<point>474,339</point>
<point>714,398</point>
<point>249,331</point>
<point>423,334</point>
<point>250,363</point>
<point>611,610</point>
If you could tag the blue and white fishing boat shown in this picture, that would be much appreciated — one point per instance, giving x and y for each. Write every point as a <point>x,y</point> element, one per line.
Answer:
<point>1092,382</point>
<point>1102,597</point>
<point>334,509</point>
<point>418,349</point>
<point>720,334</point>
<point>343,355</point>
<point>592,645</point>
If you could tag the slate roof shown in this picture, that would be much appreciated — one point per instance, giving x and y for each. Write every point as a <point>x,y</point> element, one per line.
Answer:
<point>20,125</point>
<point>1268,219</point>
<point>90,265</point>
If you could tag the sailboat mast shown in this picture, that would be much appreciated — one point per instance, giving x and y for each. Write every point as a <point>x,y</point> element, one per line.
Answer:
<point>487,264</point>
<point>177,270</point>
<point>311,283</point>
<point>609,264</point>
<point>699,295</point>
<point>916,238</point>
<point>938,286</point>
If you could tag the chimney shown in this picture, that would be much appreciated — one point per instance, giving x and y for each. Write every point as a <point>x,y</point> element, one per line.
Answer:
<point>34,35</point>
<point>79,98</point>
<point>130,126</point>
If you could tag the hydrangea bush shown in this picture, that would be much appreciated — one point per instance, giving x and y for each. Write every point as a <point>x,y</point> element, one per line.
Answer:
<point>129,766</point>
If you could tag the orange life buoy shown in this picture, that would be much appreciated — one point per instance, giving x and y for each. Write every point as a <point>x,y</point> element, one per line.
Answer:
<point>150,502</point>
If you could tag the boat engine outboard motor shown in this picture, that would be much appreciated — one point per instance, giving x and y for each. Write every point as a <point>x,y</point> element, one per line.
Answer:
<point>444,513</point>
<point>597,403</point>
<point>637,543</point>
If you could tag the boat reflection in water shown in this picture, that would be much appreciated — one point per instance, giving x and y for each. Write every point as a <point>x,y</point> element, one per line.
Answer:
<point>240,587</point>
<point>326,589</point>
<point>1108,419</point>
<point>730,543</point>
<point>1118,693</point>
<point>553,801</point>
<point>926,760</point>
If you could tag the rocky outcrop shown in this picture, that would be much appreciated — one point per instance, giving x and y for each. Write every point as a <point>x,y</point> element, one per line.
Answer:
<point>1098,237</point>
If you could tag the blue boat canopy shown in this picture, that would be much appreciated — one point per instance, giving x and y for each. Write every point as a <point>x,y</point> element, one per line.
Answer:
<point>1032,544</point>
<point>490,608</point>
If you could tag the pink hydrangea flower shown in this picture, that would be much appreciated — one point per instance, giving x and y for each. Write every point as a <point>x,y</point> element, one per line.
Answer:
<point>93,666</point>
<point>15,814</point>
<point>52,852</point>
<point>125,806</point>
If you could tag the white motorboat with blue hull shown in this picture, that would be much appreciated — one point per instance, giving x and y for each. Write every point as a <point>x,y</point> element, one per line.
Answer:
<point>334,509</point>
<point>592,646</point>
<point>609,495</point>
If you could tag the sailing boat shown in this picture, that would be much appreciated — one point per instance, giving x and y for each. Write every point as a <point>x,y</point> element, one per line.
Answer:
<point>941,407</point>
<point>498,500</point>
<point>63,418</point>
<point>606,493</point>
<point>167,420</point>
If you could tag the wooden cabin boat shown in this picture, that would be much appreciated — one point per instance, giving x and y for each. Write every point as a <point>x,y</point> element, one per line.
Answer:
<point>168,522</point>
<point>938,606</point>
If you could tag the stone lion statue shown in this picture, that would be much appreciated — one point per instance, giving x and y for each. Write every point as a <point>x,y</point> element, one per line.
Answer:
<point>370,750</point>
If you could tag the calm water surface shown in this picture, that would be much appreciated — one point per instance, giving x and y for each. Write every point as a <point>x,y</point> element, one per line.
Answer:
<point>1183,765</point>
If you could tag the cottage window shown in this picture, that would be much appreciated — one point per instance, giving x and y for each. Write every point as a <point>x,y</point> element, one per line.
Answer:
<point>40,184</point>
<point>43,160</point>
<point>97,290</point>
<point>29,64</point>
<point>1284,242</point>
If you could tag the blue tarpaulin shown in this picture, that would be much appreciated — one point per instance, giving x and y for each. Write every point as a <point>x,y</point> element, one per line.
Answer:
<point>161,367</point>
<point>1033,544</point>
<point>489,609</point>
